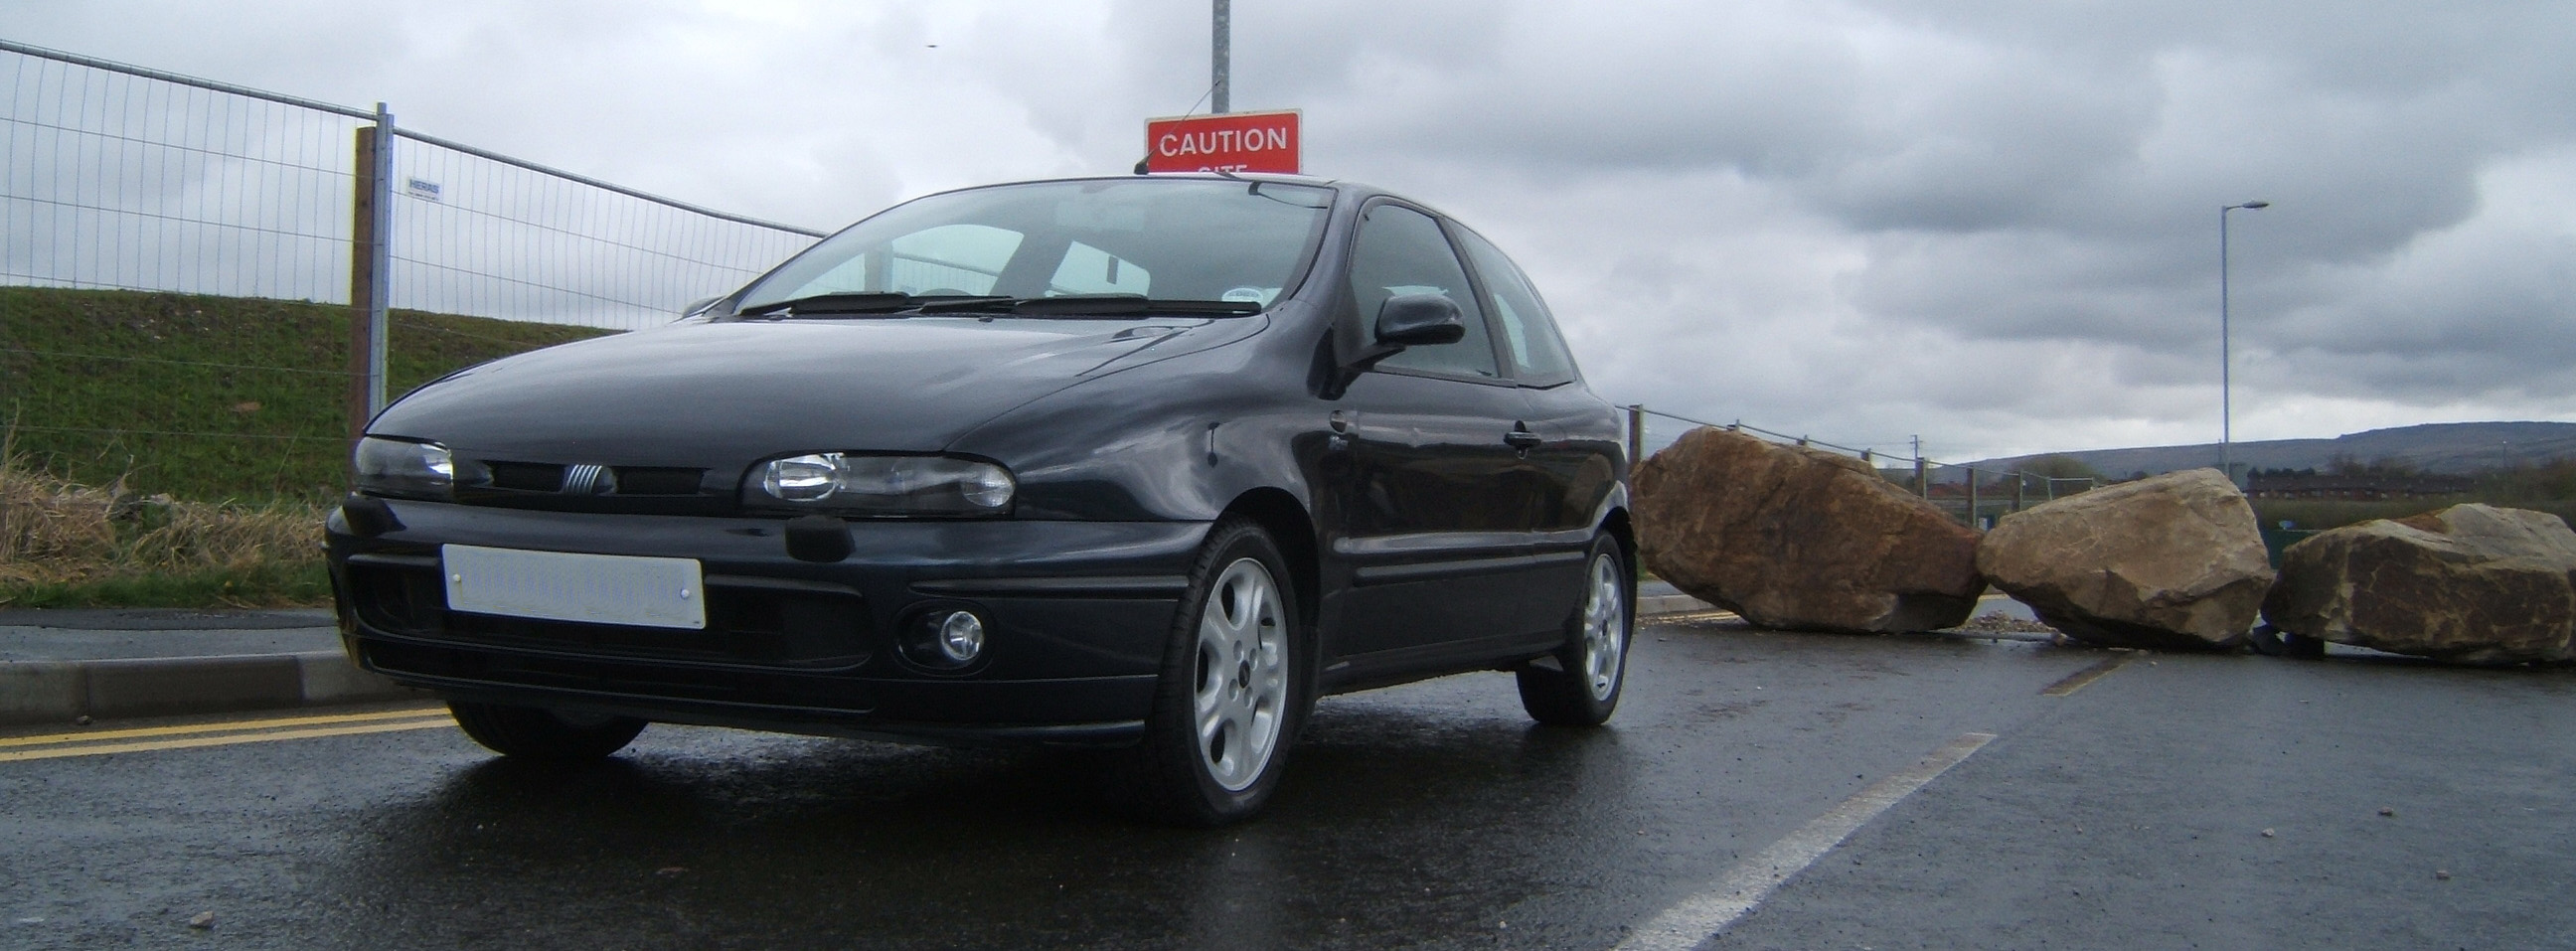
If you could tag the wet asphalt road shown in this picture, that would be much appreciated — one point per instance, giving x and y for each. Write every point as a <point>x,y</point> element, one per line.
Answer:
<point>2127,813</point>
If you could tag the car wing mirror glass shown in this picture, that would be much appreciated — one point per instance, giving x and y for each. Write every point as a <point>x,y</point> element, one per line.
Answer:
<point>1411,320</point>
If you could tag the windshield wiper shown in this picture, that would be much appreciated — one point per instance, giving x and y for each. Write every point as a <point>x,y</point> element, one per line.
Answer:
<point>1113,306</point>
<point>827,305</point>
<point>1072,306</point>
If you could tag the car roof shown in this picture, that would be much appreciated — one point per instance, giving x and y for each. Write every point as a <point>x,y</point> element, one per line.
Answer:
<point>1347,188</point>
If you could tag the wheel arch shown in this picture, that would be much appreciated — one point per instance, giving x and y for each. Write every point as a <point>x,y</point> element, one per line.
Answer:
<point>1616,523</point>
<point>1286,521</point>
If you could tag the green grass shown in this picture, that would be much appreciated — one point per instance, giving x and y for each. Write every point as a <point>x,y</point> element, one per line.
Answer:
<point>210,398</point>
<point>275,584</point>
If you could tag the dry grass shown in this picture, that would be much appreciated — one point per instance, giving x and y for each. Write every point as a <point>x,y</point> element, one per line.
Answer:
<point>55,533</point>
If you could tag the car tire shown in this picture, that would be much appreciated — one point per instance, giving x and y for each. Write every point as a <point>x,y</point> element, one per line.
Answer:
<point>1232,691</point>
<point>541,734</point>
<point>1582,686</point>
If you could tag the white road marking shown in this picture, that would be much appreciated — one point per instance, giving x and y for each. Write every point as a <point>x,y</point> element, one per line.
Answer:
<point>1750,882</point>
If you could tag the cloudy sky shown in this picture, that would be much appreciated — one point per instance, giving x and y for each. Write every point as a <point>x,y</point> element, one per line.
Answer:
<point>1990,224</point>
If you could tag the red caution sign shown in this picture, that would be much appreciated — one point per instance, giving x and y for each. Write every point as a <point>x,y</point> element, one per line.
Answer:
<point>1232,142</point>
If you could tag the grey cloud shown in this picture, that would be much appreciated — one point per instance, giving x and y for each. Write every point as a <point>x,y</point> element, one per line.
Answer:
<point>1992,223</point>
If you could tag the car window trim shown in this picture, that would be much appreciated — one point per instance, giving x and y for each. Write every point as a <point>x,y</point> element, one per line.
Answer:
<point>1476,285</point>
<point>1437,375</point>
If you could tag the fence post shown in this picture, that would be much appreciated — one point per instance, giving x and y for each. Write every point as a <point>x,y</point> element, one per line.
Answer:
<point>381,301</point>
<point>2019,479</point>
<point>1972,498</point>
<point>1922,483</point>
<point>1636,435</point>
<point>362,283</point>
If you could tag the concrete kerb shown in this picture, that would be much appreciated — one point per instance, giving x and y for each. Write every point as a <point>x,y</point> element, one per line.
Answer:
<point>34,692</point>
<point>1649,605</point>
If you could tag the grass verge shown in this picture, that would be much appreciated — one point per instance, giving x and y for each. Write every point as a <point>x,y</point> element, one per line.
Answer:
<point>63,544</point>
<point>271,585</point>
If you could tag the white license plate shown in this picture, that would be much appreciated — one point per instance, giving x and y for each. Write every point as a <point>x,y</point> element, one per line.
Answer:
<point>567,586</point>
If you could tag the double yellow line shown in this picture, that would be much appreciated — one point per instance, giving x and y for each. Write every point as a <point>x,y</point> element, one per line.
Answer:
<point>142,739</point>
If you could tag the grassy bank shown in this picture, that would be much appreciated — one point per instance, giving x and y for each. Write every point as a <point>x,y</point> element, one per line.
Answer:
<point>209,398</point>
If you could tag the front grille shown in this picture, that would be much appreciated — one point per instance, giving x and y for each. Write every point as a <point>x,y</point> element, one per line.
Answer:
<point>719,685</point>
<point>746,626</point>
<point>526,476</point>
<point>649,480</point>
<point>584,487</point>
<point>620,480</point>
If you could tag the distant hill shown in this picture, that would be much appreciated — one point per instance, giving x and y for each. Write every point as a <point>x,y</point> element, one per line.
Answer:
<point>2454,448</point>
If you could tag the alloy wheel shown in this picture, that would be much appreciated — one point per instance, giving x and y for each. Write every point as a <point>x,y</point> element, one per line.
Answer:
<point>1240,692</point>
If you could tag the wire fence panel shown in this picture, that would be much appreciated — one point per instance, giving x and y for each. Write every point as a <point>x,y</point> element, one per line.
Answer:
<point>116,182</point>
<point>176,258</point>
<point>121,181</point>
<point>472,235</point>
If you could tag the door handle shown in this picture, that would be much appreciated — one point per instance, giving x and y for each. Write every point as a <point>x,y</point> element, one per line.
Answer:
<point>1521,439</point>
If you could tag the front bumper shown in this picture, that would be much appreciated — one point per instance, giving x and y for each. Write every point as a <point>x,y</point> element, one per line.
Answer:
<point>1077,617</point>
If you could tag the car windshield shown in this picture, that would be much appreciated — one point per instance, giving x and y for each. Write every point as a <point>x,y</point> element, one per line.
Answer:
<point>1161,240</point>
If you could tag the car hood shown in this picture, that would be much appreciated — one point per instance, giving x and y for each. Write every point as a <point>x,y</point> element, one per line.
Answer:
<point>712,394</point>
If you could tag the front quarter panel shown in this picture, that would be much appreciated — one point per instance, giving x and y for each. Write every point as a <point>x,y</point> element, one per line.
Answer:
<point>1173,439</point>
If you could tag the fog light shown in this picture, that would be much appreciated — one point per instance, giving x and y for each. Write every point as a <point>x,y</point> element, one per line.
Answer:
<point>961,636</point>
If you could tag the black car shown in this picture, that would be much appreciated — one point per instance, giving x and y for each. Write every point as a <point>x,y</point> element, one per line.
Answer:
<point>1144,463</point>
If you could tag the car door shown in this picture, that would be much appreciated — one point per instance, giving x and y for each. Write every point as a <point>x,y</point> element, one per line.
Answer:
<point>1577,464</point>
<point>1582,453</point>
<point>1437,503</point>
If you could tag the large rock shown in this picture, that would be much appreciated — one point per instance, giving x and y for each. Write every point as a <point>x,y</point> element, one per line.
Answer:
<point>2173,562</point>
<point>1798,538</point>
<point>2470,583</point>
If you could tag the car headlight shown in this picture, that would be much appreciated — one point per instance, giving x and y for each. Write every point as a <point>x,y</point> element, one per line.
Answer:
<point>881,485</point>
<point>410,470</point>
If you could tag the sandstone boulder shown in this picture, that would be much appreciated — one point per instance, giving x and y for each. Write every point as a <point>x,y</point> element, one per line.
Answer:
<point>1798,538</point>
<point>2469,583</point>
<point>2173,562</point>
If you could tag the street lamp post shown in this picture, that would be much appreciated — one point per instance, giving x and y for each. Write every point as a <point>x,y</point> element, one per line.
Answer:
<point>2226,367</point>
<point>1221,58</point>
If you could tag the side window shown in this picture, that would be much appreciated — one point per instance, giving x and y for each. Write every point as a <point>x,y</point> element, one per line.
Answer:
<point>1089,270</point>
<point>1401,251</point>
<point>1538,352</point>
<point>950,259</point>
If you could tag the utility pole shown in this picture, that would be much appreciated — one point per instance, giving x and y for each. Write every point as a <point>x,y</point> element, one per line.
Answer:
<point>1219,55</point>
<point>2226,369</point>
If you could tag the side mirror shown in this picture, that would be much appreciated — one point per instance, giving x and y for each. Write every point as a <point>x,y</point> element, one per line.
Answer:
<point>1409,320</point>
<point>1405,320</point>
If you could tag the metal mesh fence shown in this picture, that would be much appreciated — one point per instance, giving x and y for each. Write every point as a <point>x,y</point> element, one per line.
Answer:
<point>474,234</point>
<point>121,181</point>
<point>177,263</point>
